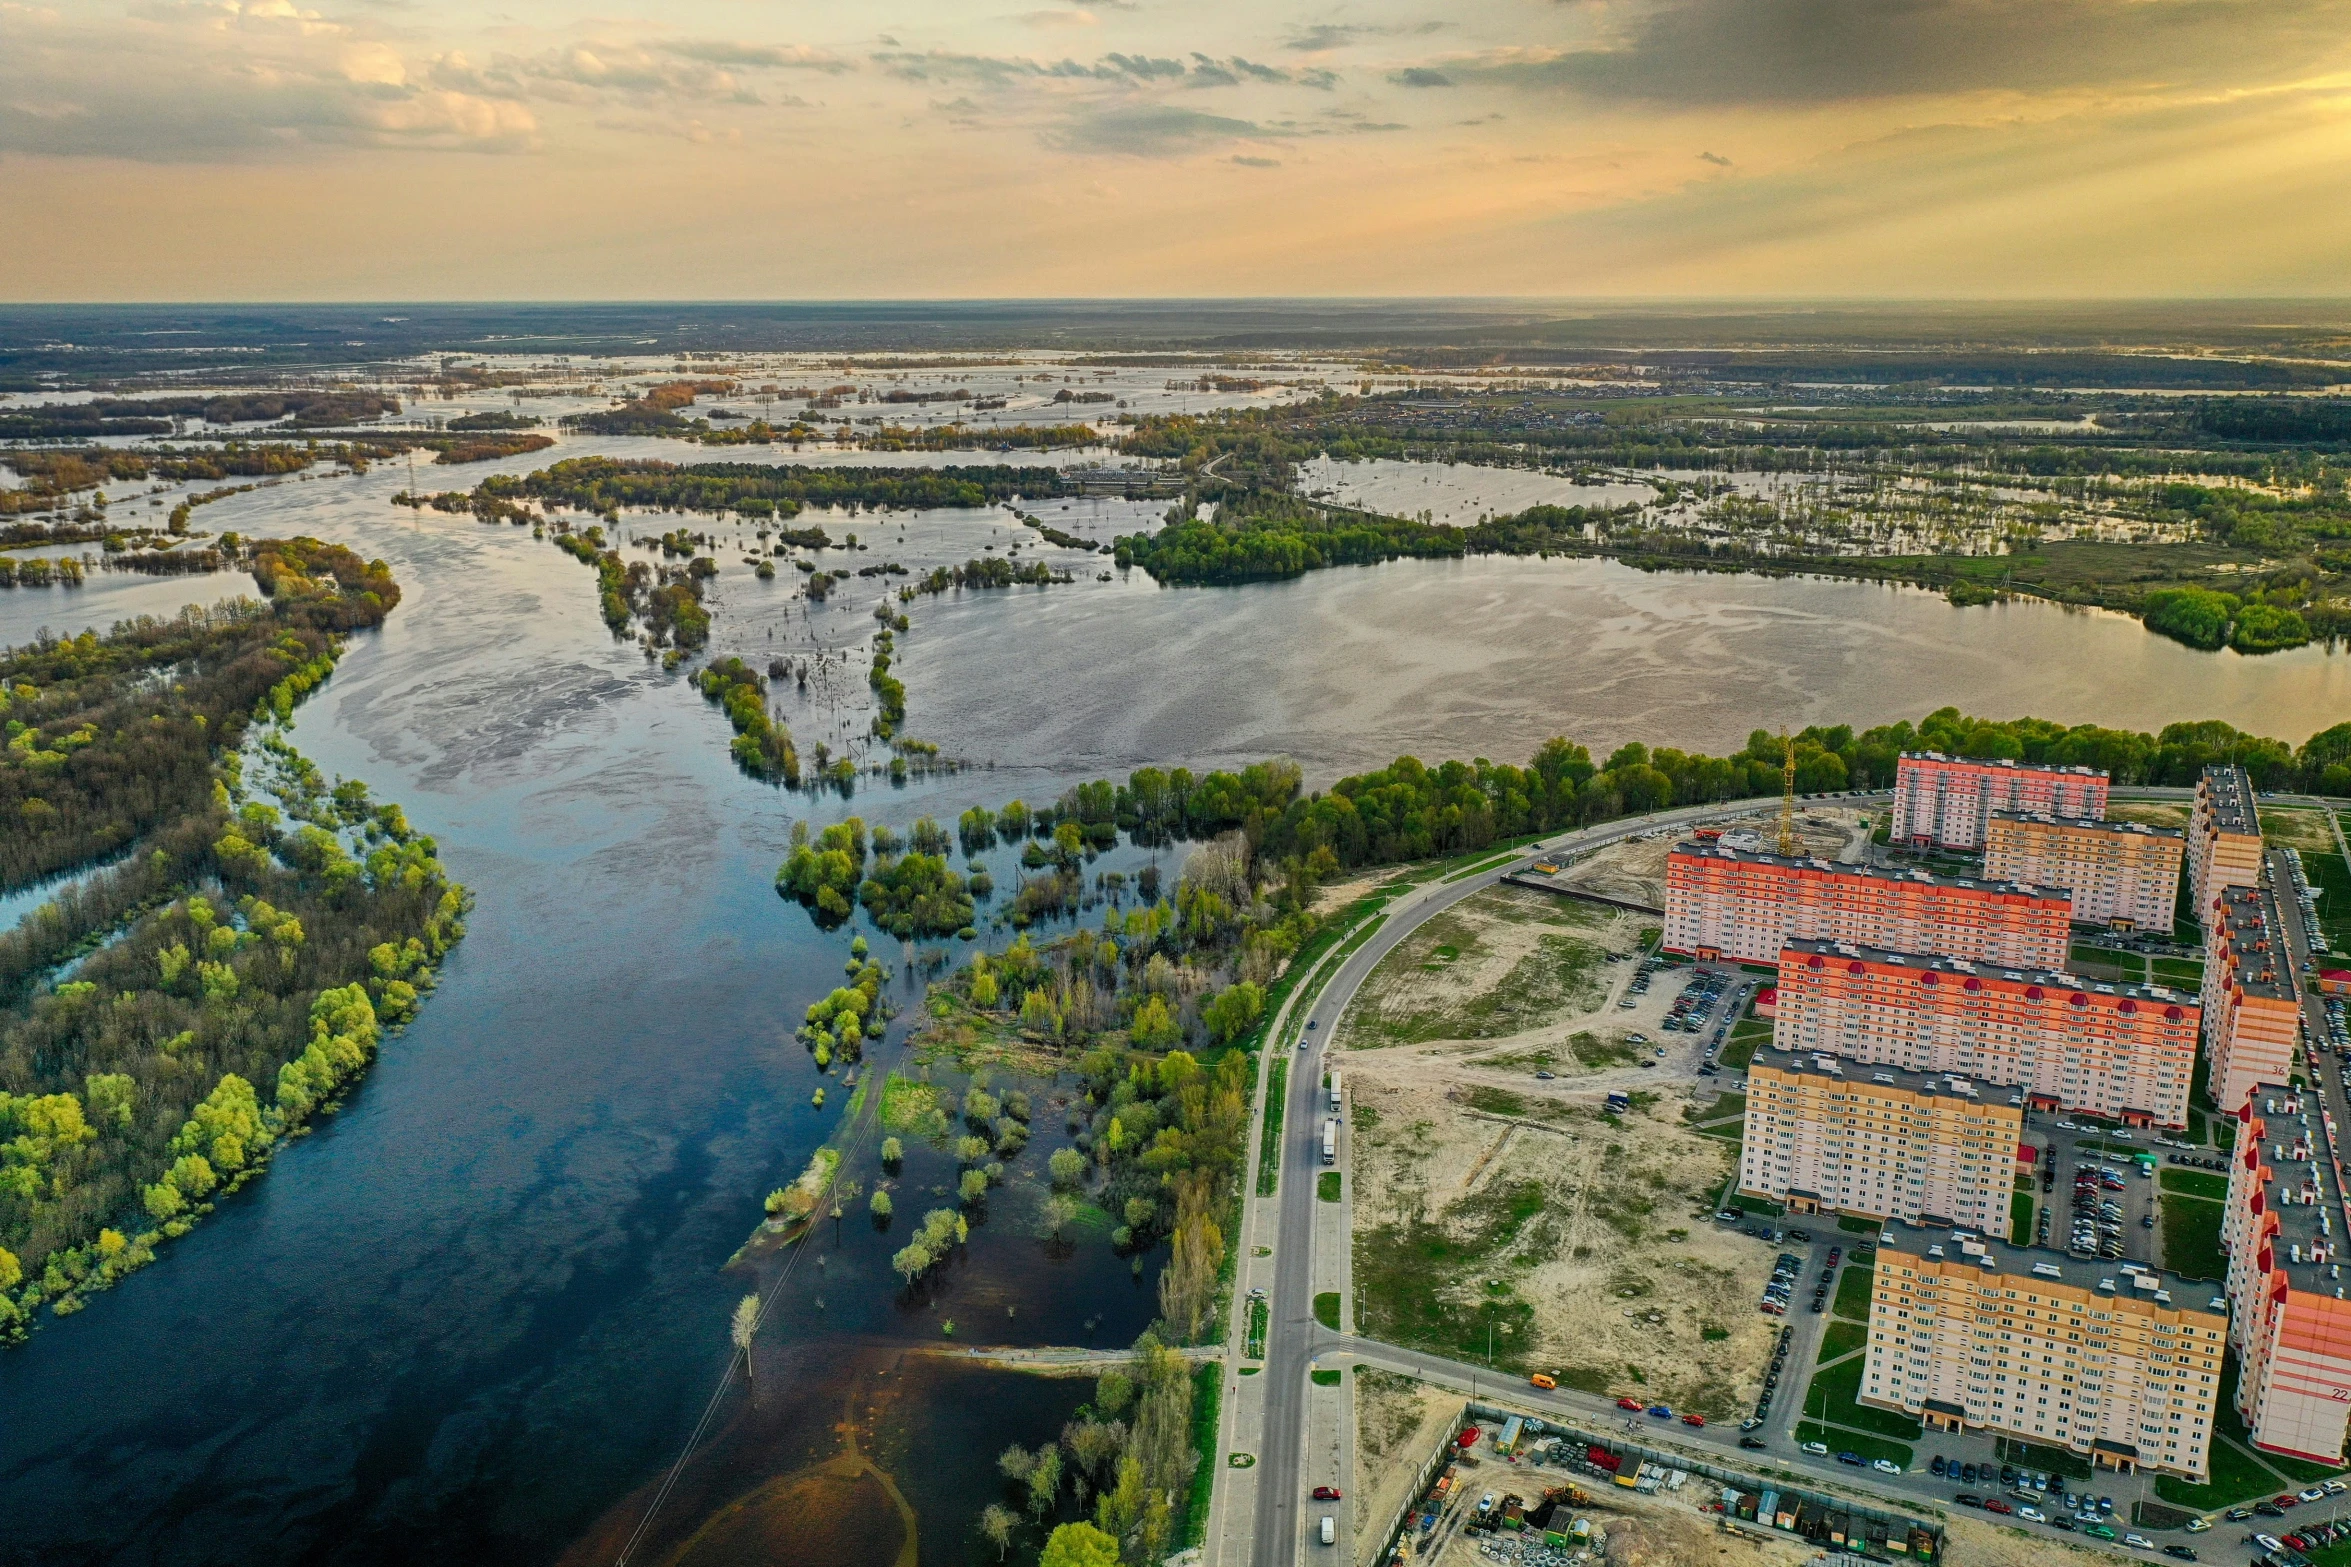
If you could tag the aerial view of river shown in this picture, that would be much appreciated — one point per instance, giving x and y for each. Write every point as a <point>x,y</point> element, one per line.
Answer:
<point>479,1313</point>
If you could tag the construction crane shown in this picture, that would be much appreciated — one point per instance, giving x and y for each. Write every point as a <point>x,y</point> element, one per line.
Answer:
<point>1787,795</point>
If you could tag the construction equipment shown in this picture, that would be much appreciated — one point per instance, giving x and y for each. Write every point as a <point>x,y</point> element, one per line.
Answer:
<point>1787,795</point>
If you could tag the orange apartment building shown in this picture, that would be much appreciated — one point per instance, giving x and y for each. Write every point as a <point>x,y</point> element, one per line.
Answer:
<point>2252,1004</point>
<point>2224,837</point>
<point>1946,801</point>
<point>2285,1231</point>
<point>1734,903</point>
<point>2121,874</point>
<point>2126,1052</point>
<point>1890,1144</point>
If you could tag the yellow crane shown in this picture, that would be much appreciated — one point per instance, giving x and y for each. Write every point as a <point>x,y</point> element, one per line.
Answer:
<point>1788,845</point>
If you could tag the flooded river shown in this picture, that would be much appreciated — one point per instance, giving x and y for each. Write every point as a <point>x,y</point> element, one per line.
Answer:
<point>476,1316</point>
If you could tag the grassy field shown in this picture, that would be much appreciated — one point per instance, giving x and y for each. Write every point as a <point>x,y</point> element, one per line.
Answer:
<point>2236,1477</point>
<point>2054,1460</point>
<point>1500,962</point>
<point>1842,1338</point>
<point>1326,1186</point>
<point>1739,1050</point>
<point>1207,1394</point>
<point>2179,973</point>
<point>1853,1290</point>
<point>2020,1215</point>
<point>2191,1237</point>
<point>1330,1378</point>
<point>1269,1147</point>
<point>1832,1397</point>
<point>2195,1183</point>
<point>1326,1309</point>
<point>2095,962</point>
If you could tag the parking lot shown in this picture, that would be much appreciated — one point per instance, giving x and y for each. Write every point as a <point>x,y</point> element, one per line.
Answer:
<point>2091,1198</point>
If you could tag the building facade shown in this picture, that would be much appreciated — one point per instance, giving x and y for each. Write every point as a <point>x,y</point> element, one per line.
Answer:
<point>2126,1052</point>
<point>2120,874</point>
<point>1890,1144</point>
<point>2224,837</point>
<point>2252,1003</point>
<point>2113,1360</point>
<point>1732,903</point>
<point>1945,801</point>
<point>2285,1230</point>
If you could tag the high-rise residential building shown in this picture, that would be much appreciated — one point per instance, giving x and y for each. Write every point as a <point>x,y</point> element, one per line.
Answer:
<point>2252,1003</point>
<point>2224,837</point>
<point>2121,874</point>
<point>2116,1361</point>
<point>2285,1230</point>
<point>1732,903</point>
<point>1890,1144</point>
<point>2127,1052</point>
<point>1945,801</point>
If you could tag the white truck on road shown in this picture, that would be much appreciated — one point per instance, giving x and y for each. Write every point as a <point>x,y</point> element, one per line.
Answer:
<point>1330,1140</point>
<point>1334,1091</point>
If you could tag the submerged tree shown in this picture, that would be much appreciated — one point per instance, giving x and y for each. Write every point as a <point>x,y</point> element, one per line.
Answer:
<point>744,1324</point>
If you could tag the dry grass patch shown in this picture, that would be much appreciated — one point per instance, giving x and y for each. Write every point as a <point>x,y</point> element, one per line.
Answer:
<point>1504,963</point>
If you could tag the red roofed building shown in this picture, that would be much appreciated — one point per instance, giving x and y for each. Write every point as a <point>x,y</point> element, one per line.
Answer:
<point>1946,800</point>
<point>2284,1229</point>
<point>2124,1051</point>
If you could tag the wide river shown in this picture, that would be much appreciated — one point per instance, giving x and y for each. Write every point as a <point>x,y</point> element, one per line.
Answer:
<point>476,1316</point>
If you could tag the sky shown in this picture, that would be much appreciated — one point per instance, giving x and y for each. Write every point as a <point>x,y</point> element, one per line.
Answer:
<point>783,149</point>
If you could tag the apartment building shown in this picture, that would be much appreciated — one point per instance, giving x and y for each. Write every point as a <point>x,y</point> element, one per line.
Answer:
<point>2126,1052</point>
<point>2116,1361</point>
<point>1946,801</point>
<point>2120,874</point>
<point>2224,837</point>
<point>1922,1147</point>
<point>2252,1002</point>
<point>2285,1230</point>
<point>1738,904</point>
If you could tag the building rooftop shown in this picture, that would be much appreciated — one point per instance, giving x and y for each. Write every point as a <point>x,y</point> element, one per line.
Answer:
<point>2231,794</point>
<point>1862,1075</point>
<point>1722,851</point>
<point>2256,934</point>
<point>2054,979</point>
<point>2088,824</point>
<point>2012,1263</point>
<point>2004,762</point>
<point>2311,1227</point>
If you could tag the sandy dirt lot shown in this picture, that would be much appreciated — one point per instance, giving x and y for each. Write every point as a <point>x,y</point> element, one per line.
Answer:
<point>2304,830</point>
<point>1509,972</point>
<point>1635,869</point>
<point>1571,1242</point>
<point>1398,1422</point>
<point>1640,1531</point>
<point>2152,813</point>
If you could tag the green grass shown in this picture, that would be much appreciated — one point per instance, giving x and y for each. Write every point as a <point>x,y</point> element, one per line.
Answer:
<point>1269,1146</point>
<point>1497,1101</point>
<point>2055,1460</point>
<point>1833,1398</point>
<point>1837,1441</point>
<point>1413,1277</point>
<point>1207,1396</point>
<point>1762,1206</point>
<point>1842,1338</point>
<point>1260,1315</point>
<point>1853,1226</point>
<point>2179,973</point>
<point>2020,1217</point>
<point>1853,1292</point>
<point>1326,1309</point>
<point>1326,1186</point>
<point>2191,1237</point>
<point>1327,1378</point>
<point>1482,865</point>
<point>2300,1470</point>
<point>2236,1477</point>
<point>2194,1183</point>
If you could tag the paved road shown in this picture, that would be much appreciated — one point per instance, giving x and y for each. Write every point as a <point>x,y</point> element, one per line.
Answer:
<point>1284,1518</point>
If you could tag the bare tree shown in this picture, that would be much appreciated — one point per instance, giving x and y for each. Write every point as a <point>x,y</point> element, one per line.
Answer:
<point>744,1324</point>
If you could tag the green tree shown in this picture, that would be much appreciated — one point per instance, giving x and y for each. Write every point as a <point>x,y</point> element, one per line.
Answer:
<point>1067,1165</point>
<point>997,1522</point>
<point>879,1203</point>
<point>1044,1481</point>
<point>1079,1545</point>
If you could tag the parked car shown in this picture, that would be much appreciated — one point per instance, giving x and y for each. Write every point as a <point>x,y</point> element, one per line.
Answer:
<point>1661,1411</point>
<point>1993,1504</point>
<point>1885,1466</point>
<point>1815,1449</point>
<point>2032,1514</point>
<point>1693,1420</point>
<point>2186,1553</point>
<point>1752,1443</point>
<point>1968,1499</point>
<point>1326,1493</point>
<point>1850,1458</point>
<point>1935,1464</point>
<point>1631,1404</point>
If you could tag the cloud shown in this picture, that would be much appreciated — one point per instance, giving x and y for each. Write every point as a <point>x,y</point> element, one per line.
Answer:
<point>717,51</point>
<point>1057,18</point>
<point>1247,162</point>
<point>1151,130</point>
<point>1324,36</point>
<point>1715,158</point>
<point>1419,76</point>
<point>1824,51</point>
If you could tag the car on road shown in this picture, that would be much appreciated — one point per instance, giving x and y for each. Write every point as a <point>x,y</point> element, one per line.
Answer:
<point>1815,1449</point>
<point>1968,1499</point>
<point>1632,1404</point>
<point>1543,1077</point>
<point>1661,1411</point>
<point>1693,1420</point>
<point>1850,1458</point>
<point>1935,1465</point>
<point>2186,1553</point>
<point>2283,1500</point>
<point>2032,1514</point>
<point>2138,1542</point>
<point>1753,1444</point>
<point>1314,1022</point>
<point>2199,1525</point>
<point>1544,1380</point>
<point>1326,1493</point>
<point>1885,1466</point>
<point>2314,1494</point>
<point>2236,1515</point>
<point>1993,1504</point>
<point>2100,1531</point>
<point>2269,1542</point>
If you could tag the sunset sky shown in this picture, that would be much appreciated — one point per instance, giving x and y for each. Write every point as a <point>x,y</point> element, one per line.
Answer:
<point>422,149</point>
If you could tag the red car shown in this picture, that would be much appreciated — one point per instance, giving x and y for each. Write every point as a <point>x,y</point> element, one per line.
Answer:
<point>1326,1493</point>
<point>1693,1420</point>
<point>1633,1404</point>
<point>1993,1504</point>
<point>2284,1500</point>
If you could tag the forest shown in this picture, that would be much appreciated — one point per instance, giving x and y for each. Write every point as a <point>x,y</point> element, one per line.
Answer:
<point>1271,536</point>
<point>228,968</point>
<point>604,485</point>
<point>119,416</point>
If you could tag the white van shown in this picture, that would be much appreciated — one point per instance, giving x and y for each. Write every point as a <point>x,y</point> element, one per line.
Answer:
<point>1330,1530</point>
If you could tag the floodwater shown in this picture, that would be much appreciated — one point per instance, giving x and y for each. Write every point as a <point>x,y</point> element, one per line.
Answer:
<point>477,1315</point>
